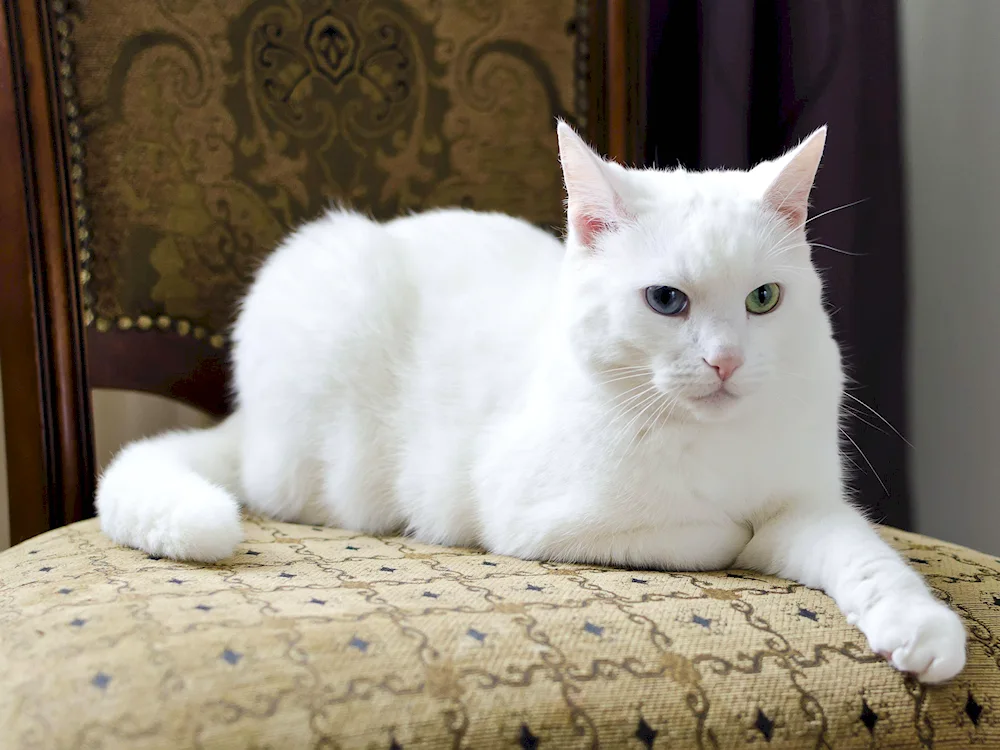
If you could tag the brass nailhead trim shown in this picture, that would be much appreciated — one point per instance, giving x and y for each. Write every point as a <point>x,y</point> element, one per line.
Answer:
<point>144,322</point>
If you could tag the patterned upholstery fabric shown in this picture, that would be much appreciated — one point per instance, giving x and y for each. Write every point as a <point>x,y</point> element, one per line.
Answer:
<point>322,638</point>
<point>205,131</point>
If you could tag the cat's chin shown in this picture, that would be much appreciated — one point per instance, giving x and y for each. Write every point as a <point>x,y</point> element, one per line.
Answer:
<point>715,405</point>
<point>720,396</point>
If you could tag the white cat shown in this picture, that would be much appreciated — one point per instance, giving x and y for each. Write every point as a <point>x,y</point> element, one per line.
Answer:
<point>661,391</point>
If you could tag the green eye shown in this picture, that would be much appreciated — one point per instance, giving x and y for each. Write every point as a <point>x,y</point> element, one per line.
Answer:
<point>763,299</point>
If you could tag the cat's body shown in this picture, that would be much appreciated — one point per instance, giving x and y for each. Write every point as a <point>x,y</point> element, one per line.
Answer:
<point>470,379</point>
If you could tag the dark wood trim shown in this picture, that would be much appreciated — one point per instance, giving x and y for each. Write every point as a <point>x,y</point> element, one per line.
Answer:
<point>618,61</point>
<point>47,416</point>
<point>597,106</point>
<point>165,363</point>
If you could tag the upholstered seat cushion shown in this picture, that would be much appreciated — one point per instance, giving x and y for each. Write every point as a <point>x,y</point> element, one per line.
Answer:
<point>313,637</point>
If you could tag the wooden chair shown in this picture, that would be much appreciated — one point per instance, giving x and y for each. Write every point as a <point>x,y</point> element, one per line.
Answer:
<point>153,152</point>
<point>105,285</point>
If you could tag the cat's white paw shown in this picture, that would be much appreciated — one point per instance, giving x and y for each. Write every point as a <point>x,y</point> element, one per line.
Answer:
<point>917,634</point>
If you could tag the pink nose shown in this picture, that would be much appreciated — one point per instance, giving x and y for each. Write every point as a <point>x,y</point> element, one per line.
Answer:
<point>725,364</point>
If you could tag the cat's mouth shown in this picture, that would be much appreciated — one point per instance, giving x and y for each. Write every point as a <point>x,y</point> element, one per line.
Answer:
<point>719,397</point>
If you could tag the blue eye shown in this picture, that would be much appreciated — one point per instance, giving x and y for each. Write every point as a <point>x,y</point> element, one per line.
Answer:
<point>665,300</point>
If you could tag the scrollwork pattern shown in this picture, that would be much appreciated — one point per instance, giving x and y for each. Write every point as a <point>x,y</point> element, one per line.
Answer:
<point>211,129</point>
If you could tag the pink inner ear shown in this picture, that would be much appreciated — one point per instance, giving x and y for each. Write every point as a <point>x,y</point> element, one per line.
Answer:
<point>788,195</point>
<point>792,208</point>
<point>588,227</point>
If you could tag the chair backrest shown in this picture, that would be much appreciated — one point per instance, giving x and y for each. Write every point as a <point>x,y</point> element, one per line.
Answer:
<point>157,151</point>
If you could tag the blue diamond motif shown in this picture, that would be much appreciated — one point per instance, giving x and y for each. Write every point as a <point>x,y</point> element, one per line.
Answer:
<point>973,710</point>
<point>645,733</point>
<point>594,629</point>
<point>533,587</point>
<point>101,680</point>
<point>359,644</point>
<point>527,740</point>
<point>65,591</point>
<point>203,607</point>
<point>703,621</point>
<point>431,595</point>
<point>320,602</point>
<point>286,575</point>
<point>177,581</point>
<point>77,622</point>
<point>764,725</point>
<point>473,633</point>
<point>46,569</point>
<point>808,614</point>
<point>387,569</point>
<point>231,657</point>
<point>252,553</point>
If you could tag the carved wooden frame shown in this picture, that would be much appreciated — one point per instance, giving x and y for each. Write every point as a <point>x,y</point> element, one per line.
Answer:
<point>50,358</point>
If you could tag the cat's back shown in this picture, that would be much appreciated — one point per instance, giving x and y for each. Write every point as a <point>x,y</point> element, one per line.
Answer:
<point>342,282</point>
<point>484,282</point>
<point>449,245</point>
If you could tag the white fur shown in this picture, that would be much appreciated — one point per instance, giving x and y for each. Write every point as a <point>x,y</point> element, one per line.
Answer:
<point>469,378</point>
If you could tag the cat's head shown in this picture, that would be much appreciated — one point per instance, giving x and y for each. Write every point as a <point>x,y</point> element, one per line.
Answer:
<point>700,282</point>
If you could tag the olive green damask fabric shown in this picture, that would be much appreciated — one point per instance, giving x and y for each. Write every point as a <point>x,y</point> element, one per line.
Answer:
<point>320,638</point>
<point>204,131</point>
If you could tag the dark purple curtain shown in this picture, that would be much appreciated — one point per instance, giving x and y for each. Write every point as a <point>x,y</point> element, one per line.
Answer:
<point>736,81</point>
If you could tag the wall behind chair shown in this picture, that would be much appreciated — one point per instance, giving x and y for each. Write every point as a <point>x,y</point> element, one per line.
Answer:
<point>951,98</point>
<point>119,417</point>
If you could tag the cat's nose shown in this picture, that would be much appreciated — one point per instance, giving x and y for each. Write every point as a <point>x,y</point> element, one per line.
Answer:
<point>725,364</point>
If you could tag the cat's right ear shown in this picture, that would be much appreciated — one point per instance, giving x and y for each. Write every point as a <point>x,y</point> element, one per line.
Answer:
<point>593,206</point>
<point>790,179</point>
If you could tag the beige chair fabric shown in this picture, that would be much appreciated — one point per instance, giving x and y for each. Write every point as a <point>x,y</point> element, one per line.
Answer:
<point>321,638</point>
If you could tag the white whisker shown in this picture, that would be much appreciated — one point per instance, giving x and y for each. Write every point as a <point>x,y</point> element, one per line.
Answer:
<point>645,405</point>
<point>818,216</point>
<point>638,432</point>
<point>861,418</point>
<point>625,405</point>
<point>884,420</point>
<point>838,250</point>
<point>643,399</point>
<point>621,395</point>
<point>625,369</point>
<point>621,378</point>
<point>858,448</point>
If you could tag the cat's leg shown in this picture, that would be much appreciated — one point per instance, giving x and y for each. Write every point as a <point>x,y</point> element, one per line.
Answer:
<point>358,467</point>
<point>835,549</point>
<point>280,476</point>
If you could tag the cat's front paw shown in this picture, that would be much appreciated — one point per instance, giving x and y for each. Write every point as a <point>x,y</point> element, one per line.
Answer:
<point>918,635</point>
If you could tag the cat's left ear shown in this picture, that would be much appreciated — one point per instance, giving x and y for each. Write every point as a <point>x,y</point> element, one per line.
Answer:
<point>790,178</point>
